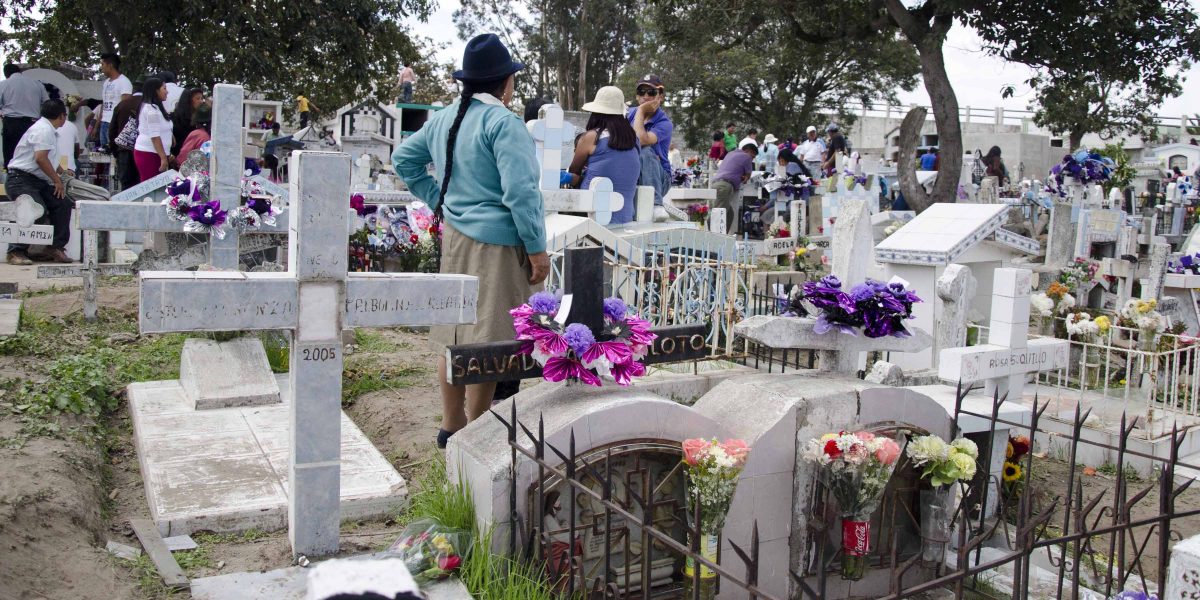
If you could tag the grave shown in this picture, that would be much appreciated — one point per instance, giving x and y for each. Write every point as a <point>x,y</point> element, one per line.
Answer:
<point>965,234</point>
<point>553,138</point>
<point>18,218</point>
<point>235,468</point>
<point>226,178</point>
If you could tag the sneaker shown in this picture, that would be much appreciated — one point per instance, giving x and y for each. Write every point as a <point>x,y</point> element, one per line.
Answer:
<point>56,255</point>
<point>19,257</point>
<point>660,215</point>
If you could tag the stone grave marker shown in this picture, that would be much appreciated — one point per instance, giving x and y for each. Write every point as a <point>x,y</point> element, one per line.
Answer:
<point>1010,355</point>
<point>583,276</point>
<point>552,137</point>
<point>225,185</point>
<point>837,352</point>
<point>955,290</point>
<point>317,299</point>
<point>18,220</point>
<point>1060,241</point>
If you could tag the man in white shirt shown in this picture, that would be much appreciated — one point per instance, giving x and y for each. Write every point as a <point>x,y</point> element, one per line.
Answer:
<point>812,151</point>
<point>174,90</point>
<point>117,87</point>
<point>32,172</point>
<point>68,146</point>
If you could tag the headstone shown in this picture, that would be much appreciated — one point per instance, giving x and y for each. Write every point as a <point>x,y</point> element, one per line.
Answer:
<point>245,377</point>
<point>316,299</point>
<point>1009,356</point>
<point>1152,286</point>
<point>1183,572</point>
<point>955,291</point>
<point>837,352</point>
<point>851,237</point>
<point>798,218</point>
<point>1060,243</point>
<point>885,373</point>
<point>717,221</point>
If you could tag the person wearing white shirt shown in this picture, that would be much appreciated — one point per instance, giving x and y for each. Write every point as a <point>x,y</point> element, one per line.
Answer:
<point>812,150</point>
<point>676,157</point>
<point>151,151</point>
<point>751,138</point>
<point>174,90</point>
<point>32,172</point>
<point>117,87</point>
<point>68,144</point>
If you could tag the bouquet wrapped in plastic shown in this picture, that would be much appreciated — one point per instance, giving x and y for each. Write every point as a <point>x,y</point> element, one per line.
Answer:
<point>430,550</point>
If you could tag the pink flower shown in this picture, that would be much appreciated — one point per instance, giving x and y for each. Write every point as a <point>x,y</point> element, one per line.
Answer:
<point>888,453</point>
<point>624,373</point>
<point>449,563</point>
<point>865,436</point>
<point>615,352</point>
<point>548,342</point>
<point>559,368</point>
<point>737,449</point>
<point>693,449</point>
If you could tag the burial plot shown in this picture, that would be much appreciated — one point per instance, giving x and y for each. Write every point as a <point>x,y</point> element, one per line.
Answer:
<point>966,234</point>
<point>225,186</point>
<point>236,468</point>
<point>583,278</point>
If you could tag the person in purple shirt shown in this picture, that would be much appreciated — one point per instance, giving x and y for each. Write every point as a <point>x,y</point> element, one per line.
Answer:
<point>653,128</point>
<point>733,172</point>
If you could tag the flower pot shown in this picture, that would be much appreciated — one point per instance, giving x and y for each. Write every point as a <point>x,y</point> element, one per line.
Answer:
<point>1046,326</point>
<point>1093,366</point>
<point>709,543</point>
<point>856,543</point>
<point>936,512</point>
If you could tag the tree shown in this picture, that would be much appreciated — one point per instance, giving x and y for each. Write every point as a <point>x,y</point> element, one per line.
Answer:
<point>333,51</point>
<point>755,72</point>
<point>572,47</point>
<point>1099,69</point>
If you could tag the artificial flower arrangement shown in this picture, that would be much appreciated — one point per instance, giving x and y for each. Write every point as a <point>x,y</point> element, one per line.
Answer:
<point>856,468</point>
<point>1185,264</point>
<point>942,463</point>
<point>188,201</point>
<point>712,470</point>
<point>683,177</point>
<point>430,550</point>
<point>1081,325</point>
<point>854,179</point>
<point>878,309</point>
<point>412,235</point>
<point>1083,167</point>
<point>697,213</point>
<point>570,351</point>
<point>1056,300</point>
<point>1077,273</point>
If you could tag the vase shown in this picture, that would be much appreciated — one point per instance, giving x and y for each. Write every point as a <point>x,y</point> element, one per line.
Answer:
<point>1092,364</point>
<point>708,545</point>
<point>856,543</point>
<point>1046,326</point>
<point>936,512</point>
<point>1147,340</point>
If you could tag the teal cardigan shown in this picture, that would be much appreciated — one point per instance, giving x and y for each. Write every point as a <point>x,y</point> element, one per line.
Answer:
<point>493,195</point>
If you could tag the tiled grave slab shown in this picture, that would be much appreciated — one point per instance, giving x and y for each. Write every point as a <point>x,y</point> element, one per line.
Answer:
<point>10,317</point>
<point>226,469</point>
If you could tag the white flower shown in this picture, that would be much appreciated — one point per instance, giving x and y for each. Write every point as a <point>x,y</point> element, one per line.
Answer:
<point>928,448</point>
<point>966,446</point>
<point>1067,303</point>
<point>1042,304</point>
<point>1082,325</point>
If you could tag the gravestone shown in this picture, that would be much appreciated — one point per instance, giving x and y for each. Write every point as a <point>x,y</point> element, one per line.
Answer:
<point>583,278</point>
<point>225,185</point>
<point>245,374</point>
<point>1009,356</point>
<point>1060,241</point>
<point>851,262</point>
<point>837,352</point>
<point>317,300</point>
<point>1097,226</point>
<point>553,137</point>
<point>18,220</point>
<point>955,291</point>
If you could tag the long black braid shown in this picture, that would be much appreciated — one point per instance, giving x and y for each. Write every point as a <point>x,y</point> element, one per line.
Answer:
<point>494,87</point>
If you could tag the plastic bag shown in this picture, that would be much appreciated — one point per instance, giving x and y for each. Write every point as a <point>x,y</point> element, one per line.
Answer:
<point>430,550</point>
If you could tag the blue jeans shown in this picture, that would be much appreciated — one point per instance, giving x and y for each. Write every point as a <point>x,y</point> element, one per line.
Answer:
<point>103,139</point>
<point>654,175</point>
<point>406,96</point>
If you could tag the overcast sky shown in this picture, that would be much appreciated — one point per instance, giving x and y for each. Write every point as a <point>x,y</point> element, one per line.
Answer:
<point>977,77</point>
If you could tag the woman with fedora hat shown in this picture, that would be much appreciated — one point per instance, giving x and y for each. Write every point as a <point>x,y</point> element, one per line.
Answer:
<point>609,148</point>
<point>487,192</point>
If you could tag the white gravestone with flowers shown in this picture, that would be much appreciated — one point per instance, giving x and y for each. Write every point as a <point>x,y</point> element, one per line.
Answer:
<point>316,299</point>
<point>1010,356</point>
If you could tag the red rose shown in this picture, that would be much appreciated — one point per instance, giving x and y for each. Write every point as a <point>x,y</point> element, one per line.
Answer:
<point>449,563</point>
<point>832,450</point>
<point>413,238</point>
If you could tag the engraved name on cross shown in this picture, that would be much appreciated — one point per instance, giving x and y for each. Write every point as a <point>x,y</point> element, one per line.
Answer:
<point>316,299</point>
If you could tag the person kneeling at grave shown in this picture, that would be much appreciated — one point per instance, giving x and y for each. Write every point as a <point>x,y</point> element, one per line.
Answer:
<point>488,195</point>
<point>734,171</point>
<point>31,172</point>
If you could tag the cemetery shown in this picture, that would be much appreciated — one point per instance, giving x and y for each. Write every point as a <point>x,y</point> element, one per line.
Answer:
<point>827,368</point>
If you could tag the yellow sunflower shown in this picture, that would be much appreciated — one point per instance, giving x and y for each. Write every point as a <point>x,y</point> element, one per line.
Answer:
<point>1012,471</point>
<point>1008,452</point>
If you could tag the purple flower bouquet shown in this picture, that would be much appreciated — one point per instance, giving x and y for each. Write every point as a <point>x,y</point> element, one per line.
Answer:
<point>1185,264</point>
<point>573,352</point>
<point>1082,166</point>
<point>879,309</point>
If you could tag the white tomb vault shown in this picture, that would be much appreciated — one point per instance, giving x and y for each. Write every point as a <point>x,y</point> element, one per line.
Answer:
<point>300,465</point>
<point>968,234</point>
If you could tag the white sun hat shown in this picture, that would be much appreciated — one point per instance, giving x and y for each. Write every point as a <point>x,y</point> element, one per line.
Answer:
<point>610,100</point>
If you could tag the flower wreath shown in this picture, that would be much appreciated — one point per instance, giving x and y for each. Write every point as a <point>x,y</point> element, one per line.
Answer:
<point>571,351</point>
<point>187,200</point>
<point>878,308</point>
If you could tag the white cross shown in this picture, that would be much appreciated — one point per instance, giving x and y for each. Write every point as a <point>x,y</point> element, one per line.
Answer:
<point>226,168</point>
<point>1009,355</point>
<point>551,136</point>
<point>830,202</point>
<point>316,299</point>
<point>17,220</point>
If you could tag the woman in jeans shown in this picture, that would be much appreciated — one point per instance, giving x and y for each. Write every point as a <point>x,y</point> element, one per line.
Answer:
<point>487,191</point>
<point>152,150</point>
<point>609,148</point>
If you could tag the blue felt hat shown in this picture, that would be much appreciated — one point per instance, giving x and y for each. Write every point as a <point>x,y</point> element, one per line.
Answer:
<point>486,58</point>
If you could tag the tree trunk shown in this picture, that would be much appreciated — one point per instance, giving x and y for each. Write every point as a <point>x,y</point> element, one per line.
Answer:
<point>583,56</point>
<point>945,116</point>
<point>910,135</point>
<point>1076,140</point>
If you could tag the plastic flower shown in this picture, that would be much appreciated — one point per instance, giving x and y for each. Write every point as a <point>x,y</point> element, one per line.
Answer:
<point>966,446</point>
<point>1012,472</point>
<point>544,302</point>
<point>615,309</point>
<point>579,338</point>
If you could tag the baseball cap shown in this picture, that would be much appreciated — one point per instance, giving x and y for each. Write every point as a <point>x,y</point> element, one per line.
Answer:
<point>810,129</point>
<point>651,80</point>
<point>832,127</point>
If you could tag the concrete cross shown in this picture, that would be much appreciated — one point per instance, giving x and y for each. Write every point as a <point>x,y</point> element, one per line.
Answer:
<point>316,299</point>
<point>553,137</point>
<point>226,170</point>
<point>1009,356</point>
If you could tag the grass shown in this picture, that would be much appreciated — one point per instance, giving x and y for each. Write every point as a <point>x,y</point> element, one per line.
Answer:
<point>149,583</point>
<point>365,374</point>
<point>243,537</point>
<point>375,342</point>
<point>1110,470</point>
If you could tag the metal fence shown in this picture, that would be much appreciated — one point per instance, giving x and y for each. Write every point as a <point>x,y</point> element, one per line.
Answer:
<point>1094,544</point>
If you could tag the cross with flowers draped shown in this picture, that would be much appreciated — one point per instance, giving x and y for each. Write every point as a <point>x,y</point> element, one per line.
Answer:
<point>591,319</point>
